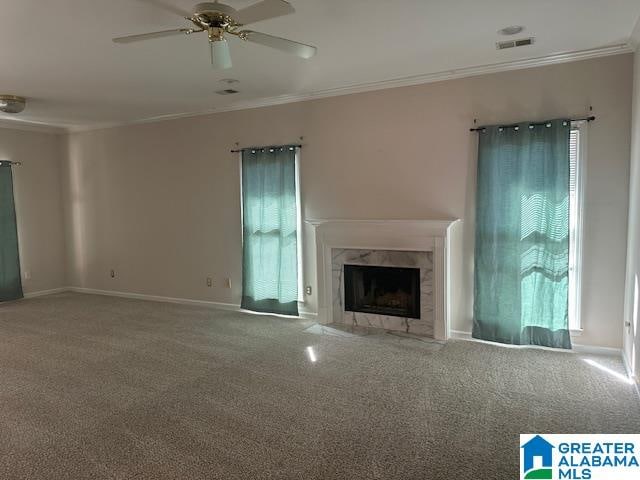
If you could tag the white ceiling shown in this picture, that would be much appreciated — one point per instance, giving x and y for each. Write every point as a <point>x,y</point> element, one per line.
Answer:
<point>60,56</point>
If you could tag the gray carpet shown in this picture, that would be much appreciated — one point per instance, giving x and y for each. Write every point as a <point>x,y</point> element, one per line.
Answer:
<point>104,388</point>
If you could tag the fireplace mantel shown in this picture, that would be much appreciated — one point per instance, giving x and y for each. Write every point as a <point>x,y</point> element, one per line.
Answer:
<point>404,235</point>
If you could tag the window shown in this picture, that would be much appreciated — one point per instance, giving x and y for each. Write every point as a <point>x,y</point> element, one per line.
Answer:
<point>577,150</point>
<point>271,230</point>
<point>522,243</point>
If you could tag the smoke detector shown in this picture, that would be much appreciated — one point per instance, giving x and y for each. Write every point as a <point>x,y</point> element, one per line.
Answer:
<point>12,104</point>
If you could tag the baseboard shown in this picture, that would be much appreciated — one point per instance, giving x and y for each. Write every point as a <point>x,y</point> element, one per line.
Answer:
<point>577,348</point>
<point>460,335</point>
<point>596,350</point>
<point>308,315</point>
<point>43,293</point>
<point>181,301</point>
<point>157,298</point>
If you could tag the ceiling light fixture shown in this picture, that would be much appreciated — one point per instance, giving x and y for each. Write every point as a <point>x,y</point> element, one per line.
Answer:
<point>511,30</point>
<point>12,104</point>
<point>221,22</point>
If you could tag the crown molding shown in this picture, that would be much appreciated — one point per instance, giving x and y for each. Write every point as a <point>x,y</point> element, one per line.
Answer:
<point>12,124</point>
<point>380,85</point>
<point>634,38</point>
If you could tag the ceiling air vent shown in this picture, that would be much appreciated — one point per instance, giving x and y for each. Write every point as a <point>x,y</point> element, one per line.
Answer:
<point>227,91</point>
<point>515,43</point>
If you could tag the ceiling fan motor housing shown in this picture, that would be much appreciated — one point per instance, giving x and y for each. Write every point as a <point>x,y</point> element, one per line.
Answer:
<point>215,14</point>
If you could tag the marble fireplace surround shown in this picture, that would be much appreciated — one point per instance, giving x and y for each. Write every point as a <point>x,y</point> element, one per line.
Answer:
<point>384,258</point>
<point>432,236</point>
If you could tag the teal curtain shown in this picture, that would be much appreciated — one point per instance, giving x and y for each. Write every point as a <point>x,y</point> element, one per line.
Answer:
<point>522,235</point>
<point>270,230</point>
<point>10,283</point>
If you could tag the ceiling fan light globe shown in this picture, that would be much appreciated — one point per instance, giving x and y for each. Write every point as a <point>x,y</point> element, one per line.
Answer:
<point>220,55</point>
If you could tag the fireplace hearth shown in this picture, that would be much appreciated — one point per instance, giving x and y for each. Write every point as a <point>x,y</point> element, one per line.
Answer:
<point>391,291</point>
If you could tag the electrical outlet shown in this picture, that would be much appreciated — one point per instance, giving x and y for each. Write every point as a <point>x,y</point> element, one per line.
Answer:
<point>209,282</point>
<point>308,290</point>
<point>112,272</point>
<point>27,274</point>
<point>227,283</point>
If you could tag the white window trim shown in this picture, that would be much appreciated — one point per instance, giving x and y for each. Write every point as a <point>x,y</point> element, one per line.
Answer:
<point>575,324</point>
<point>301,296</point>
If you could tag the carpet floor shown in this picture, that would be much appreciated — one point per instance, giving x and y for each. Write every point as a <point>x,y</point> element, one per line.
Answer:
<point>105,388</point>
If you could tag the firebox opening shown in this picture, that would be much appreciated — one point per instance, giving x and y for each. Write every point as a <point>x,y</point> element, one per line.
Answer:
<point>392,291</point>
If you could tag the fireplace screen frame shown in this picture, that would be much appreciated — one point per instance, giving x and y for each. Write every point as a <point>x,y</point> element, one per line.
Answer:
<point>356,303</point>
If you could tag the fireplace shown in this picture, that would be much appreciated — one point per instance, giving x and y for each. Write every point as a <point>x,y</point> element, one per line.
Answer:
<point>392,291</point>
<point>420,244</point>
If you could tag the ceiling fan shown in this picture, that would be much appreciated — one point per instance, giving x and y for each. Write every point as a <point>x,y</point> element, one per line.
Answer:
<point>220,20</point>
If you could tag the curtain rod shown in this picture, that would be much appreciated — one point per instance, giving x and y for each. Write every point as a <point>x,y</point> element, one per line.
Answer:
<point>585,119</point>
<point>17,164</point>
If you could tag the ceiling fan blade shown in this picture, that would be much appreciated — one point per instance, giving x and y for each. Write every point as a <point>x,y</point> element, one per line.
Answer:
<point>282,44</point>
<point>152,35</point>
<point>264,10</point>
<point>167,6</point>
<point>220,55</point>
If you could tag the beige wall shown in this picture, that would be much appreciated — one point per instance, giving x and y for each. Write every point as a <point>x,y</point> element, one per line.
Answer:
<point>160,204</point>
<point>38,205</point>
<point>632,297</point>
